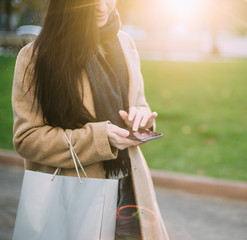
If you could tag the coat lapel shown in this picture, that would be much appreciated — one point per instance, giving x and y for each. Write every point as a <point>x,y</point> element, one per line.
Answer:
<point>131,63</point>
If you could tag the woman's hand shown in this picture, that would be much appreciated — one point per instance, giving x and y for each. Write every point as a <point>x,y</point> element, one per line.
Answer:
<point>138,118</point>
<point>118,137</point>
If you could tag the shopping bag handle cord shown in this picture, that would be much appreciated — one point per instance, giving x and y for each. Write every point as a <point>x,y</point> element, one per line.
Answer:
<point>74,156</point>
<point>75,159</point>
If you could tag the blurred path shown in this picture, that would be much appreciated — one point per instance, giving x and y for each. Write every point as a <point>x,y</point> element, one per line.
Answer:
<point>187,216</point>
<point>195,217</point>
<point>10,186</point>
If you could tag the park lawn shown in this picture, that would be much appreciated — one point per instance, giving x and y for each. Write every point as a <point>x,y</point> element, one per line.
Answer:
<point>202,113</point>
<point>6,117</point>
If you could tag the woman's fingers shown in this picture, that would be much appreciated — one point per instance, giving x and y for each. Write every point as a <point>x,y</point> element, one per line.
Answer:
<point>150,121</point>
<point>132,113</point>
<point>129,142</point>
<point>144,120</point>
<point>134,118</point>
<point>118,137</point>
<point>119,131</point>
<point>137,120</point>
<point>124,115</point>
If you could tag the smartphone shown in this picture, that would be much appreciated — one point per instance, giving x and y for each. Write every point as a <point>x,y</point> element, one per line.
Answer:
<point>143,135</point>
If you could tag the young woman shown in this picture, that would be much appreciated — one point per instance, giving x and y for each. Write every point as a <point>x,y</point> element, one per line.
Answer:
<point>82,73</point>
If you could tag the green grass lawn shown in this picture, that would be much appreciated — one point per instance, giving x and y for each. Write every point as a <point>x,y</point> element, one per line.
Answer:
<point>6,117</point>
<point>202,111</point>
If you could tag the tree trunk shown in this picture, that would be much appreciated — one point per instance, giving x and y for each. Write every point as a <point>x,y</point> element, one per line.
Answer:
<point>8,10</point>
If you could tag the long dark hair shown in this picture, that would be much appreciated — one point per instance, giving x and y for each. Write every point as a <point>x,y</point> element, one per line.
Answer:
<point>68,38</point>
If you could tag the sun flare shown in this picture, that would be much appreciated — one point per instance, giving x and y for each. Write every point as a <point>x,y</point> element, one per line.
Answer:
<point>183,8</point>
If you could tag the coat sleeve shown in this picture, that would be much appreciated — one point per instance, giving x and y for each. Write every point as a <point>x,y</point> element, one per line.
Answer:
<point>38,142</point>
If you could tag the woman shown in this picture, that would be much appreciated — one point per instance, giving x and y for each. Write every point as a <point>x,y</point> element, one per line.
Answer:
<point>83,73</point>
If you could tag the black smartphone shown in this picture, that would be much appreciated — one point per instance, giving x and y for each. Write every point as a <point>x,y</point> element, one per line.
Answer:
<point>143,135</point>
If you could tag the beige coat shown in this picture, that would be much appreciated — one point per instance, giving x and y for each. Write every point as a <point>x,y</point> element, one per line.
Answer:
<point>44,148</point>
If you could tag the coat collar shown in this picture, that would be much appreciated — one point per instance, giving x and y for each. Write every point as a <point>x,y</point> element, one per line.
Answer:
<point>131,59</point>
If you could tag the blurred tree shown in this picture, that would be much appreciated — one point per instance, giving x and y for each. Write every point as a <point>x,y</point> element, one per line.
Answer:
<point>8,11</point>
<point>31,12</point>
<point>25,11</point>
<point>7,8</point>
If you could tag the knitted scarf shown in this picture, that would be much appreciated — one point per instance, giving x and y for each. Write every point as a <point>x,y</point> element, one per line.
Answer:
<point>108,77</point>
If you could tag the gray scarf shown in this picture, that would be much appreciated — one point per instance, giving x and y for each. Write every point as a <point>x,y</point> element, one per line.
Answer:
<point>108,76</point>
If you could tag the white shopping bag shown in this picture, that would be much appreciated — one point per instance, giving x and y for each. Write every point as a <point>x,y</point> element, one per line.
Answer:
<point>65,208</point>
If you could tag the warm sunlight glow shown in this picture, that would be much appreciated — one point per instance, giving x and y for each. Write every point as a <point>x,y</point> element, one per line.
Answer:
<point>183,8</point>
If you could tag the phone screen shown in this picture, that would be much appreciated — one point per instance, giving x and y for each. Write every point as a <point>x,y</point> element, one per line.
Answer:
<point>144,135</point>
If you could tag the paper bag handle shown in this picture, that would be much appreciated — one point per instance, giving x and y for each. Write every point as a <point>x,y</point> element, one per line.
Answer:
<point>75,159</point>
